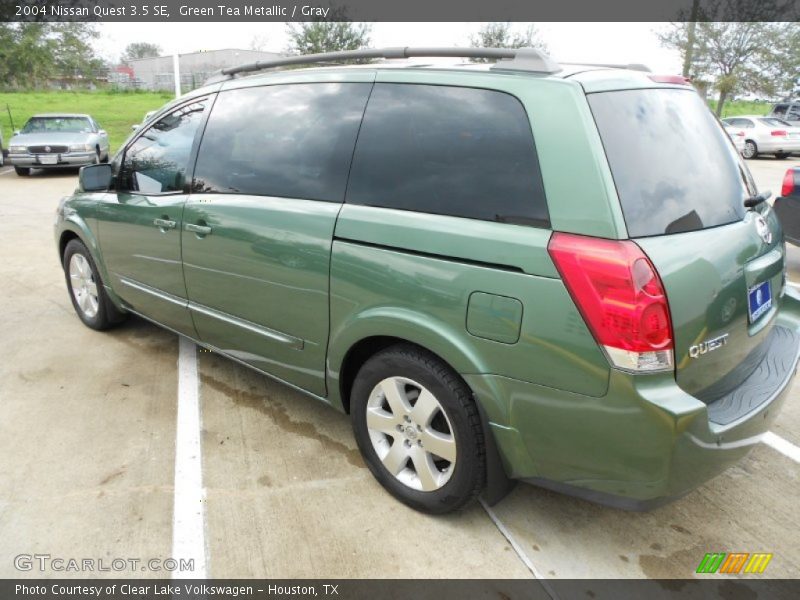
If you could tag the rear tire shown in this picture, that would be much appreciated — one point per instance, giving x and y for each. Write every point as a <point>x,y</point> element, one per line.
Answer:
<point>750,149</point>
<point>22,171</point>
<point>86,290</point>
<point>419,430</point>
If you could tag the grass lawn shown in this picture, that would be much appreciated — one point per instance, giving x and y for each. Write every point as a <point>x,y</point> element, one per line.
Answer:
<point>114,111</point>
<point>742,107</point>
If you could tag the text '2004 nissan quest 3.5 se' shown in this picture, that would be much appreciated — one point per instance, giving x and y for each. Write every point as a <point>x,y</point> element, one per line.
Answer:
<point>522,271</point>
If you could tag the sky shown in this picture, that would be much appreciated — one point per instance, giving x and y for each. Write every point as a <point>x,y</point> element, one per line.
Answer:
<point>567,42</point>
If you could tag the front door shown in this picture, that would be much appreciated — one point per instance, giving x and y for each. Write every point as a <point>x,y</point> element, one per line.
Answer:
<point>140,224</point>
<point>269,182</point>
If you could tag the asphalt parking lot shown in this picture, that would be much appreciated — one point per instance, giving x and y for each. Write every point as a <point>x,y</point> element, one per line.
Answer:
<point>88,468</point>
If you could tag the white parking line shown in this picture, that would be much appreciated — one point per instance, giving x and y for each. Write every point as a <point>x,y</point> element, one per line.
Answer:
<point>782,445</point>
<point>188,517</point>
<point>518,549</point>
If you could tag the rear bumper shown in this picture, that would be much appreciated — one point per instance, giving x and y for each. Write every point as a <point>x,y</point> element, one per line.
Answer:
<point>73,159</point>
<point>779,145</point>
<point>644,443</point>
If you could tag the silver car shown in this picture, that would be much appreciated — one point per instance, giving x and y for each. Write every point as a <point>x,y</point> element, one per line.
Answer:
<point>54,141</point>
<point>766,135</point>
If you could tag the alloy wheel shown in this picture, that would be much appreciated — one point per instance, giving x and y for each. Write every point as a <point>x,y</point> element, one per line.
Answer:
<point>84,287</point>
<point>411,434</point>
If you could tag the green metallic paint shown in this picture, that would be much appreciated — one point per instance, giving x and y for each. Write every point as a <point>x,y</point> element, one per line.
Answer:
<point>494,317</point>
<point>382,291</point>
<point>707,292</point>
<point>144,259</point>
<point>323,284</point>
<point>267,263</point>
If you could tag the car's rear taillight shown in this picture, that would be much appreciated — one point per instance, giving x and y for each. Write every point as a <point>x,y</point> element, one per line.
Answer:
<point>618,292</point>
<point>778,132</point>
<point>787,189</point>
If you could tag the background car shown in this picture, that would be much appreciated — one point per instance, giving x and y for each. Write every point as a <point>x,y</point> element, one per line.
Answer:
<point>737,136</point>
<point>2,161</point>
<point>787,111</point>
<point>146,118</point>
<point>53,141</point>
<point>787,205</point>
<point>767,135</point>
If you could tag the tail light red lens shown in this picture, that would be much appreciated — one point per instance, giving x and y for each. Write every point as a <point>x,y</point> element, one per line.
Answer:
<point>778,132</point>
<point>787,189</point>
<point>621,298</point>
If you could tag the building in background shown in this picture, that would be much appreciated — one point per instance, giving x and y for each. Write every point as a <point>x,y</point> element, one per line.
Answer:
<point>196,67</point>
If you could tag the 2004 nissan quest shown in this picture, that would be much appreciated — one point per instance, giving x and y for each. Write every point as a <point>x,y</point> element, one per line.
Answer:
<point>522,271</point>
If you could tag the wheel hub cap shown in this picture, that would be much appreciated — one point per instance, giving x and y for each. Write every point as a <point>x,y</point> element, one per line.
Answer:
<point>411,434</point>
<point>84,288</point>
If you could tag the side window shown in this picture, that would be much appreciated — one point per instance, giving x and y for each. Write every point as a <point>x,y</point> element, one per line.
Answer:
<point>794,113</point>
<point>293,141</point>
<point>156,162</point>
<point>779,110</point>
<point>464,152</point>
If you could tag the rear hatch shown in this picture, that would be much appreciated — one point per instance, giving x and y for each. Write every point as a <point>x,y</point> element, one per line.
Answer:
<point>682,188</point>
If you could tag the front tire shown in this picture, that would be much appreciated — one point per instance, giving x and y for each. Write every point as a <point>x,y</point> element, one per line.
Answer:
<point>781,155</point>
<point>750,149</point>
<point>89,297</point>
<point>419,430</point>
<point>22,171</point>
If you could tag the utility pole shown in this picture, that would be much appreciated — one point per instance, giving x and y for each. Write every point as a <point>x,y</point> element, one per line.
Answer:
<point>691,35</point>
<point>176,69</point>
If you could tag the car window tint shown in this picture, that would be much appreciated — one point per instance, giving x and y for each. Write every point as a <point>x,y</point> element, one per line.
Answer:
<point>794,113</point>
<point>779,110</point>
<point>456,151</point>
<point>294,141</point>
<point>157,161</point>
<point>672,175</point>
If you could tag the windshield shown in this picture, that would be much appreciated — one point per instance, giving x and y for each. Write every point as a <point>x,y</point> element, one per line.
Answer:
<point>674,166</point>
<point>775,122</point>
<point>57,124</point>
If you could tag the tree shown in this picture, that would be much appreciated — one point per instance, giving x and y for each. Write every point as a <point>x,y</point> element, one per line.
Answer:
<point>502,35</point>
<point>737,57</point>
<point>33,53</point>
<point>140,50</point>
<point>327,36</point>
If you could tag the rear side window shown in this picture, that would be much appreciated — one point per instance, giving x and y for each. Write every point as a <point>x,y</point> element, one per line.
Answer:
<point>294,141</point>
<point>674,166</point>
<point>463,152</point>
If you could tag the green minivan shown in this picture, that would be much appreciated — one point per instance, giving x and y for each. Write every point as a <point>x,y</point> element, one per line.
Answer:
<point>510,271</point>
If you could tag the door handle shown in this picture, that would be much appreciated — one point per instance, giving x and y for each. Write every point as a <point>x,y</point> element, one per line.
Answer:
<point>198,229</point>
<point>164,223</point>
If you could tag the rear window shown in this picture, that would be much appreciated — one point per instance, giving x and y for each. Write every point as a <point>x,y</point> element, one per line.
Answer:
<point>774,122</point>
<point>462,152</point>
<point>674,166</point>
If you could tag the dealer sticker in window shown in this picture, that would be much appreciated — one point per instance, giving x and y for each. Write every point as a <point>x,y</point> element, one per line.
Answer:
<point>759,300</point>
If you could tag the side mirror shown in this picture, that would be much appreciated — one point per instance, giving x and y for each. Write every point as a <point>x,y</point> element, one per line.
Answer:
<point>95,178</point>
<point>134,127</point>
<point>103,132</point>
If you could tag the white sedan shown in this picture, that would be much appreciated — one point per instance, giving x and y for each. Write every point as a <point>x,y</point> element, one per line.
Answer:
<point>737,136</point>
<point>766,135</point>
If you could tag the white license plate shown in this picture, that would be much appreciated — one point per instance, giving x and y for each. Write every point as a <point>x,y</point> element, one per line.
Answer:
<point>48,160</point>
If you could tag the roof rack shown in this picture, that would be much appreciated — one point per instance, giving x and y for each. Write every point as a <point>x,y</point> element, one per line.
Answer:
<point>513,59</point>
